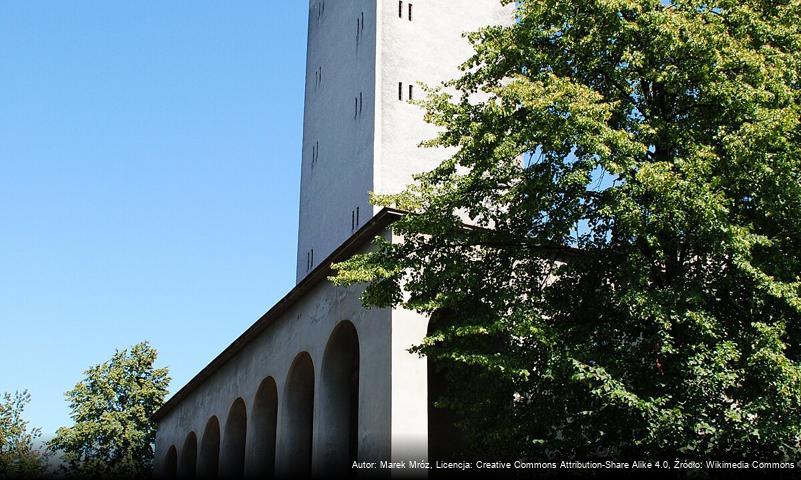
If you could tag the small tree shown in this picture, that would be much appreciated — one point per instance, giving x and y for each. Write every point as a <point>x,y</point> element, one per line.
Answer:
<point>635,286</point>
<point>19,457</point>
<point>112,408</point>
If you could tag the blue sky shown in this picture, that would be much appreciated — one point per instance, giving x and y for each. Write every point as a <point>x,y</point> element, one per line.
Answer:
<point>149,175</point>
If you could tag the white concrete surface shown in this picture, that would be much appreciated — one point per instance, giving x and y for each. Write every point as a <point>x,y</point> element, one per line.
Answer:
<point>376,147</point>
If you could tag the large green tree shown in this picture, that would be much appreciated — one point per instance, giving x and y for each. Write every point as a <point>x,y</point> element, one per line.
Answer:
<point>630,284</point>
<point>19,456</point>
<point>112,408</point>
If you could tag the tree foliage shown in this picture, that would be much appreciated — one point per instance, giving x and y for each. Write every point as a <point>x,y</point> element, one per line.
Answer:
<point>112,408</point>
<point>19,456</point>
<point>632,273</point>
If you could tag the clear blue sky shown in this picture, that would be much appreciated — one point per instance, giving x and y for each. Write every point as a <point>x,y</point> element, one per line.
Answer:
<point>149,175</point>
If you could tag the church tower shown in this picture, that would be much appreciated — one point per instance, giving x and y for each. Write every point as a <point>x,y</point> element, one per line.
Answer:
<point>319,382</point>
<point>360,133</point>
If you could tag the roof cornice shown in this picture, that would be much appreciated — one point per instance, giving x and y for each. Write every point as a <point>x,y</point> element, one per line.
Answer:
<point>366,233</point>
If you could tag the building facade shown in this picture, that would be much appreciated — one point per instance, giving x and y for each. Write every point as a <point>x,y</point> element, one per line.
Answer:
<point>319,381</point>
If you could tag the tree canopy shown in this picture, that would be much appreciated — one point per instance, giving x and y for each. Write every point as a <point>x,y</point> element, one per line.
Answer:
<point>112,407</point>
<point>630,280</point>
<point>19,456</point>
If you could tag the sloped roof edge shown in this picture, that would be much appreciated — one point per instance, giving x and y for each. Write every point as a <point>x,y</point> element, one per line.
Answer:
<point>366,233</point>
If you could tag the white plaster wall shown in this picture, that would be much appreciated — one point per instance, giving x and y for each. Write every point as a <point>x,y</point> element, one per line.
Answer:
<point>342,176</point>
<point>428,49</point>
<point>377,150</point>
<point>409,388</point>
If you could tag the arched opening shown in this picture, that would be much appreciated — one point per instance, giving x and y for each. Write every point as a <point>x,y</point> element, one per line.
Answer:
<point>186,467</point>
<point>339,402</point>
<point>261,463</point>
<point>208,462</point>
<point>232,460</point>
<point>445,440</point>
<point>296,441</point>
<point>171,462</point>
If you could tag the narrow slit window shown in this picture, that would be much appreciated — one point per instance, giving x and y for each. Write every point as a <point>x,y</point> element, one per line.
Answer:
<point>400,8</point>
<point>352,220</point>
<point>411,92</point>
<point>312,251</point>
<point>410,12</point>
<point>357,216</point>
<point>362,20</point>
<point>400,90</point>
<point>355,106</point>
<point>360,103</point>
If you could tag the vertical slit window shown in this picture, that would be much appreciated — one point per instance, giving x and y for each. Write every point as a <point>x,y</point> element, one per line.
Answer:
<point>362,20</point>
<point>410,12</point>
<point>315,152</point>
<point>355,106</point>
<point>411,92</point>
<point>400,90</point>
<point>360,103</point>
<point>352,220</point>
<point>357,216</point>
<point>400,8</point>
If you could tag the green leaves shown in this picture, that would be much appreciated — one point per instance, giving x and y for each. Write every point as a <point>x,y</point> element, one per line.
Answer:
<point>19,456</point>
<point>112,408</point>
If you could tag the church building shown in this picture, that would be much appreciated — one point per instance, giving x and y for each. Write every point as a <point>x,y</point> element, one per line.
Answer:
<point>319,382</point>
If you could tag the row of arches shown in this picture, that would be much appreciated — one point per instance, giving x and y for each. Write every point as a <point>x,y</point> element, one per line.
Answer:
<point>282,439</point>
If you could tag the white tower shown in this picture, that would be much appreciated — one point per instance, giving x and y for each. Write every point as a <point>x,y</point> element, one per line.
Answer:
<point>319,381</point>
<point>360,134</point>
